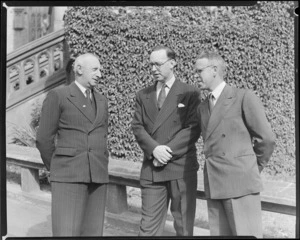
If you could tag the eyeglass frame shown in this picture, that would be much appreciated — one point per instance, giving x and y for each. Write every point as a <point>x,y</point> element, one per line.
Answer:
<point>158,65</point>
<point>200,70</point>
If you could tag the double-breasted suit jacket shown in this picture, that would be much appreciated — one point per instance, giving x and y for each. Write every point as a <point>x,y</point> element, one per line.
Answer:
<point>175,125</point>
<point>79,153</point>
<point>238,143</point>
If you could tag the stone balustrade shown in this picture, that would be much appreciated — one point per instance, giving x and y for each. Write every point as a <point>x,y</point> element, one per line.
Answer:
<point>35,67</point>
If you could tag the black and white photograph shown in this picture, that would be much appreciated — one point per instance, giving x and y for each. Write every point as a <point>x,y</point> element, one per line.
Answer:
<point>149,119</point>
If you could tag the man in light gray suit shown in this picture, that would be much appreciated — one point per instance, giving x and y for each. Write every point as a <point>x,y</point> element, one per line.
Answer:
<point>238,143</point>
<point>77,116</point>
<point>166,128</point>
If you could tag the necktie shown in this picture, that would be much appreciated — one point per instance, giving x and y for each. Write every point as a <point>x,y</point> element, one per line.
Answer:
<point>90,101</point>
<point>88,96</point>
<point>211,102</point>
<point>162,96</point>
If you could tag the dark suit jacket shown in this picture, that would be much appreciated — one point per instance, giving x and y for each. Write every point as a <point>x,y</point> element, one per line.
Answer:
<point>238,143</point>
<point>175,125</point>
<point>80,153</point>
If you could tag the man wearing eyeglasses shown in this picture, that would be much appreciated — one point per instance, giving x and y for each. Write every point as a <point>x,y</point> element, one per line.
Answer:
<point>166,128</point>
<point>238,143</point>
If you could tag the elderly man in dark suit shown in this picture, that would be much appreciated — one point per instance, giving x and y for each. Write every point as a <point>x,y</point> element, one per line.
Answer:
<point>238,143</point>
<point>77,116</point>
<point>166,128</point>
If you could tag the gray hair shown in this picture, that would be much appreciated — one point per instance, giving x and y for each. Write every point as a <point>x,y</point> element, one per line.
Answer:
<point>80,59</point>
<point>214,59</point>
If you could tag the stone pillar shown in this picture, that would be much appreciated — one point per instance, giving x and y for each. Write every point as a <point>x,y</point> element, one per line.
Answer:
<point>10,30</point>
<point>57,15</point>
<point>116,198</point>
<point>30,179</point>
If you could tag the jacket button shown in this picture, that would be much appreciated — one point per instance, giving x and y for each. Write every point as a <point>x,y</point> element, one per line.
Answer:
<point>223,135</point>
<point>90,150</point>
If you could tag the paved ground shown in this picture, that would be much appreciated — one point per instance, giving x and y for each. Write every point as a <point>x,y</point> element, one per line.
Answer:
<point>28,215</point>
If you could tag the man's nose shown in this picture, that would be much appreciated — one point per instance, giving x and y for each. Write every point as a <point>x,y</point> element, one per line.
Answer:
<point>98,74</point>
<point>153,69</point>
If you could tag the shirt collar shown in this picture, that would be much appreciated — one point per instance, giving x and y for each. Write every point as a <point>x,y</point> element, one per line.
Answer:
<point>169,83</point>
<point>218,90</point>
<point>82,88</point>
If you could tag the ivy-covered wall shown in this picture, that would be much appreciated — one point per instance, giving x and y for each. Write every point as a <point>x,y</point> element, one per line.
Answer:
<point>257,42</point>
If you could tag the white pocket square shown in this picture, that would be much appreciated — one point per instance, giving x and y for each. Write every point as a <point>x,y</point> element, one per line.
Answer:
<point>180,105</point>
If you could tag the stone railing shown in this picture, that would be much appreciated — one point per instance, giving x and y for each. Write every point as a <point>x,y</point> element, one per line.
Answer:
<point>35,67</point>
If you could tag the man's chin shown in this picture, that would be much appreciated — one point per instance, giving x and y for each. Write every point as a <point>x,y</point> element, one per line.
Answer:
<point>158,79</point>
<point>94,84</point>
<point>202,86</point>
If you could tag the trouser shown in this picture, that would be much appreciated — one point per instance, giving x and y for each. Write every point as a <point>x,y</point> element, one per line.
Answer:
<point>235,216</point>
<point>155,201</point>
<point>78,208</point>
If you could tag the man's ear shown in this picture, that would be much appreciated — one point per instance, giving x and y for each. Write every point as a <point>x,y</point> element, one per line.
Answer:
<point>79,69</point>
<point>215,68</point>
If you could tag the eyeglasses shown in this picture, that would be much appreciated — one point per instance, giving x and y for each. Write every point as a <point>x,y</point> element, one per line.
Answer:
<point>158,65</point>
<point>200,70</point>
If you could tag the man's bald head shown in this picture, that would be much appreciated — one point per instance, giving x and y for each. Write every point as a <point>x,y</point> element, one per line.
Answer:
<point>81,60</point>
<point>87,70</point>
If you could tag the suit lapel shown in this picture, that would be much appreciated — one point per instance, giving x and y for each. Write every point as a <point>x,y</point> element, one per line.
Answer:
<point>173,98</point>
<point>79,101</point>
<point>222,106</point>
<point>151,103</point>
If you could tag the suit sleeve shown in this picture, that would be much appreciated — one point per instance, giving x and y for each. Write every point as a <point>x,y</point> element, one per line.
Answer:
<point>145,141</point>
<point>187,136</point>
<point>48,127</point>
<point>259,128</point>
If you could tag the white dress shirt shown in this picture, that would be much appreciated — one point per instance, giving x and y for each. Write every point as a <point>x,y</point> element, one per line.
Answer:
<point>82,88</point>
<point>169,84</point>
<point>217,92</point>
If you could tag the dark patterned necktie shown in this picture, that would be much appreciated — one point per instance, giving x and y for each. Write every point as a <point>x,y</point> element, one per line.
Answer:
<point>162,96</point>
<point>90,101</point>
<point>211,102</point>
<point>88,96</point>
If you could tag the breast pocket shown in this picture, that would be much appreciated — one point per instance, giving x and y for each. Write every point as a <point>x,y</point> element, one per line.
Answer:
<point>182,112</point>
<point>65,152</point>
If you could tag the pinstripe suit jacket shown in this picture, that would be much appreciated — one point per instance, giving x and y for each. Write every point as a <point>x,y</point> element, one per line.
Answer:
<point>80,153</point>
<point>238,143</point>
<point>174,126</point>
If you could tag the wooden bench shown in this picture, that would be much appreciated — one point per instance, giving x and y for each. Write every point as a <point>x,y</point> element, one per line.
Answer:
<point>121,175</point>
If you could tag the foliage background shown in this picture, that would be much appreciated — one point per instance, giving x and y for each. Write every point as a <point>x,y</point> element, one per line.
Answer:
<point>257,42</point>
